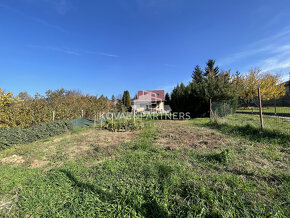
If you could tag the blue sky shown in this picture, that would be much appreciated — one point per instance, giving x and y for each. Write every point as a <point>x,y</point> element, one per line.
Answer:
<point>108,46</point>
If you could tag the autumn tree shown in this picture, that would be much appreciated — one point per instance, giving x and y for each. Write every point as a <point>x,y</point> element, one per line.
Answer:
<point>250,85</point>
<point>24,96</point>
<point>6,100</point>
<point>269,84</point>
<point>67,104</point>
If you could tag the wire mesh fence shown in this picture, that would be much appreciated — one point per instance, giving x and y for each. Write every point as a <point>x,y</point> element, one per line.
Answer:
<point>275,115</point>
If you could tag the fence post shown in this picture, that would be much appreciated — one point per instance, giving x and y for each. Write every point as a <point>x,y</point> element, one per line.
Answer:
<point>260,109</point>
<point>134,115</point>
<point>82,113</point>
<point>275,107</point>
<point>52,115</point>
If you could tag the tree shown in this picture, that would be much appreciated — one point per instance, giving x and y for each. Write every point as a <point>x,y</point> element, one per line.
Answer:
<point>218,85</point>
<point>197,75</point>
<point>210,68</point>
<point>6,99</point>
<point>126,100</point>
<point>205,85</point>
<point>269,84</point>
<point>250,85</point>
<point>238,83</point>
<point>113,98</point>
<point>167,98</point>
<point>24,96</point>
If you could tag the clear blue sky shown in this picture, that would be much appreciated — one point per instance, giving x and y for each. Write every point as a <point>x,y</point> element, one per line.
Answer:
<point>108,46</point>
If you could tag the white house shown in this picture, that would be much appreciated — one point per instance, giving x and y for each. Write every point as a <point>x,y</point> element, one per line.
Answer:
<point>150,101</point>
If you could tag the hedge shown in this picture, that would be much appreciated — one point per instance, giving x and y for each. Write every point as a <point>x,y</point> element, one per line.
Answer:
<point>122,125</point>
<point>13,136</point>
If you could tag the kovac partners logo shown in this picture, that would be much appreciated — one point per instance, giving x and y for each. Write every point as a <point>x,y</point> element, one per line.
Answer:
<point>149,105</point>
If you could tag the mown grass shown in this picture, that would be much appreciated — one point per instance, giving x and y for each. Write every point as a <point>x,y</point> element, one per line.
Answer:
<point>148,180</point>
<point>266,109</point>
<point>276,131</point>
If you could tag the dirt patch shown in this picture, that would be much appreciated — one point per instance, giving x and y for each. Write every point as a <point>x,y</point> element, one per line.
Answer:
<point>14,159</point>
<point>174,135</point>
<point>100,140</point>
<point>75,150</point>
<point>91,143</point>
<point>108,138</point>
<point>38,163</point>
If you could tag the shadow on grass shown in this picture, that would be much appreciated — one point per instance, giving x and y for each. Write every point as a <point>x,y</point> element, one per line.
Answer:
<point>251,133</point>
<point>276,180</point>
<point>225,156</point>
<point>150,208</point>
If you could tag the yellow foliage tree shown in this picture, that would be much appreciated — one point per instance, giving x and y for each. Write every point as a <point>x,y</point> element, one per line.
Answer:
<point>66,104</point>
<point>269,84</point>
<point>271,87</point>
<point>6,99</point>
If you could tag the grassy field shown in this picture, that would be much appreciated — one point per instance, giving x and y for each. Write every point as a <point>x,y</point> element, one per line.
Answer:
<point>266,109</point>
<point>276,129</point>
<point>168,169</point>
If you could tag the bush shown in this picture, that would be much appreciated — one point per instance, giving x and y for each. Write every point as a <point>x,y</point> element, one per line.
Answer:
<point>13,136</point>
<point>122,124</point>
<point>16,113</point>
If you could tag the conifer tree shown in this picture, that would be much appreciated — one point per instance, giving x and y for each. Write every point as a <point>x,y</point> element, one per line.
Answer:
<point>197,75</point>
<point>126,100</point>
<point>205,85</point>
<point>167,98</point>
<point>210,68</point>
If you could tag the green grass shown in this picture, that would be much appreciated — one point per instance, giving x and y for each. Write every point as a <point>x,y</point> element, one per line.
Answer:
<point>276,131</point>
<point>266,109</point>
<point>233,179</point>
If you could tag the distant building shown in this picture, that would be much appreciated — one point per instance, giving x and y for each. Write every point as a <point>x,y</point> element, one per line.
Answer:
<point>150,101</point>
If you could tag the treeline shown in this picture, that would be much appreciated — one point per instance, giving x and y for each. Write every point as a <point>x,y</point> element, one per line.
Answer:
<point>220,86</point>
<point>25,111</point>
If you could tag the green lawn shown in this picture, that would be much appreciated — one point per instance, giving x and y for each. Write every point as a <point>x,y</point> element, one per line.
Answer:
<point>168,169</point>
<point>276,129</point>
<point>266,109</point>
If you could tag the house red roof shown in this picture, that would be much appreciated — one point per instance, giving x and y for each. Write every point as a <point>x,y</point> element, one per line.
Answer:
<point>155,95</point>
